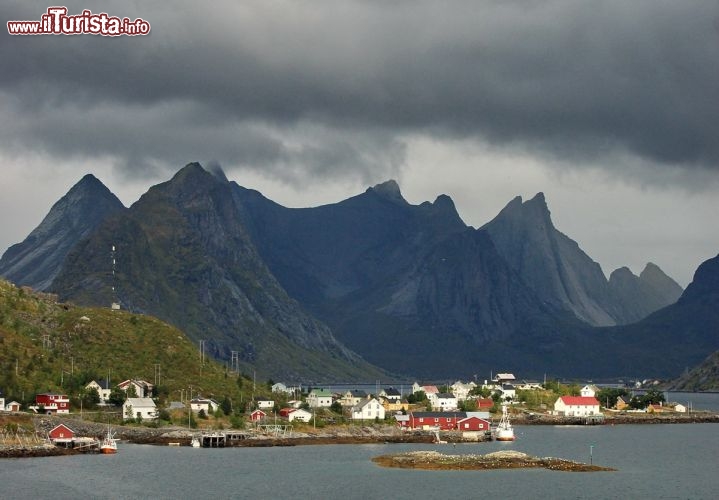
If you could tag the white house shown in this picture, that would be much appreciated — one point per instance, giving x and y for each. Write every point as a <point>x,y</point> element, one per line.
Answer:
<point>12,406</point>
<point>508,391</point>
<point>368,409</point>
<point>462,390</point>
<point>103,389</point>
<point>143,389</point>
<point>391,394</point>
<point>444,401</point>
<point>299,415</point>
<point>680,408</point>
<point>576,406</point>
<point>2,403</point>
<point>353,397</point>
<point>319,398</point>
<point>589,391</point>
<point>143,408</point>
<point>264,403</point>
<point>208,405</point>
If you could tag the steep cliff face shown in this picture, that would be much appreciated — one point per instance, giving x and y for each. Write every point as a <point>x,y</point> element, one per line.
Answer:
<point>37,260</point>
<point>562,273</point>
<point>183,255</point>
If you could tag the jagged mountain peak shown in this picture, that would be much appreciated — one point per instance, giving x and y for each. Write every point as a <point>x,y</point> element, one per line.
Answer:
<point>388,190</point>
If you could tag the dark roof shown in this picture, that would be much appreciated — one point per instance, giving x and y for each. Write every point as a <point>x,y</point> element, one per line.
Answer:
<point>392,392</point>
<point>357,393</point>
<point>440,414</point>
<point>103,384</point>
<point>445,395</point>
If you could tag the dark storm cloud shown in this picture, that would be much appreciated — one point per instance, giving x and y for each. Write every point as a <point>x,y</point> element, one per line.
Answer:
<point>318,88</point>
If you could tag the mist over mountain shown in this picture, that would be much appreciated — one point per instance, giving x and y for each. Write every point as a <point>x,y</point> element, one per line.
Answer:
<point>335,291</point>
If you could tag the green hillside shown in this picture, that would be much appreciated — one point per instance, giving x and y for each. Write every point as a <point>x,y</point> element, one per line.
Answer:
<point>46,346</point>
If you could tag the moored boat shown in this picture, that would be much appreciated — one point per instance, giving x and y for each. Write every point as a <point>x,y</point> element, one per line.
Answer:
<point>504,431</point>
<point>109,443</point>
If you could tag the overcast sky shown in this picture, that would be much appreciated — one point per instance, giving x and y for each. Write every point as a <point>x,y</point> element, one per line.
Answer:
<point>610,108</point>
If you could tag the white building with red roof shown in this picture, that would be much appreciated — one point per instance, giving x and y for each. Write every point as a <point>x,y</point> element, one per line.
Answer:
<point>576,406</point>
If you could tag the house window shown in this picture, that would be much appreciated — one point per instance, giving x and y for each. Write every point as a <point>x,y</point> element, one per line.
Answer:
<point>436,420</point>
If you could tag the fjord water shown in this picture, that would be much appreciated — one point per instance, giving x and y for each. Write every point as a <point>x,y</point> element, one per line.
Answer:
<point>653,461</point>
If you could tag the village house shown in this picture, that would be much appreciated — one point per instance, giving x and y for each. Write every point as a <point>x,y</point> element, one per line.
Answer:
<point>139,408</point>
<point>621,404</point>
<point>12,406</point>
<point>352,398</point>
<point>576,406</point>
<point>264,403</point>
<point>508,392</point>
<point>103,389</point>
<point>589,391</point>
<point>391,394</point>
<point>51,403</point>
<point>679,408</point>
<point>393,407</point>
<point>257,415</point>
<point>430,420</point>
<point>461,390</point>
<point>61,433</point>
<point>369,409</point>
<point>529,385</point>
<point>319,398</point>
<point>473,427</point>
<point>204,404</point>
<point>300,415</point>
<point>445,402</point>
<point>484,403</point>
<point>142,388</point>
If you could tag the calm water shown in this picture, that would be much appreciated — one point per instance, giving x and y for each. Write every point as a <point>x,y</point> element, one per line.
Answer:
<point>654,461</point>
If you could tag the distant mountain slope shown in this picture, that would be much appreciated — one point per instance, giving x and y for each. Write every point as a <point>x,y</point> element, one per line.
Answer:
<point>560,272</point>
<point>704,377</point>
<point>184,256</point>
<point>674,338</point>
<point>635,297</point>
<point>37,260</point>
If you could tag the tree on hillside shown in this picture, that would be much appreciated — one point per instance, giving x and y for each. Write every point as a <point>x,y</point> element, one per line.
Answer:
<point>608,396</point>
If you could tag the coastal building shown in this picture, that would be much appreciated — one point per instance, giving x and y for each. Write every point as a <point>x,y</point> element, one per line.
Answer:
<point>61,433</point>
<point>445,402</point>
<point>103,389</point>
<point>139,408</point>
<point>319,398</point>
<point>430,420</point>
<point>12,406</point>
<point>300,415</point>
<point>257,415</point>
<point>391,394</point>
<point>353,397</point>
<point>369,409</point>
<point>142,388</point>
<point>264,403</point>
<point>461,390</point>
<point>576,406</point>
<point>473,427</point>
<point>51,403</point>
<point>205,404</point>
<point>589,391</point>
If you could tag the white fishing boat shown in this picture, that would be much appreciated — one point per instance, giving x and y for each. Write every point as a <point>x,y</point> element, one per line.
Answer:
<point>195,443</point>
<point>504,431</point>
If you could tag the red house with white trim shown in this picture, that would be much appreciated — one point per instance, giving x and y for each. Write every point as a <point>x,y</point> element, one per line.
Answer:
<point>473,424</point>
<point>576,406</point>
<point>61,433</point>
<point>442,420</point>
<point>52,403</point>
<point>257,415</point>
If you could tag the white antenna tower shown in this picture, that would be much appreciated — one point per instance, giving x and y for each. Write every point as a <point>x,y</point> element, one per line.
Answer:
<point>115,301</point>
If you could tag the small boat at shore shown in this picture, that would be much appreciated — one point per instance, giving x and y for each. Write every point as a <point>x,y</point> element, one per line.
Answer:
<point>195,443</point>
<point>504,431</point>
<point>108,445</point>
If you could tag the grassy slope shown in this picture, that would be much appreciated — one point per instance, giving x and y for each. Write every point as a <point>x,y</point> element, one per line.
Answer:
<point>43,343</point>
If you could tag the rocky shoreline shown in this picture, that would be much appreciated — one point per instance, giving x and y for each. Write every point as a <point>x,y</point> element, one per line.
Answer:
<point>433,460</point>
<point>346,434</point>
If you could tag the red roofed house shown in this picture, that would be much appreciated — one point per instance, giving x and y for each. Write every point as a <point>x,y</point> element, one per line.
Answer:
<point>473,424</point>
<point>576,406</point>
<point>483,403</point>
<point>61,433</point>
